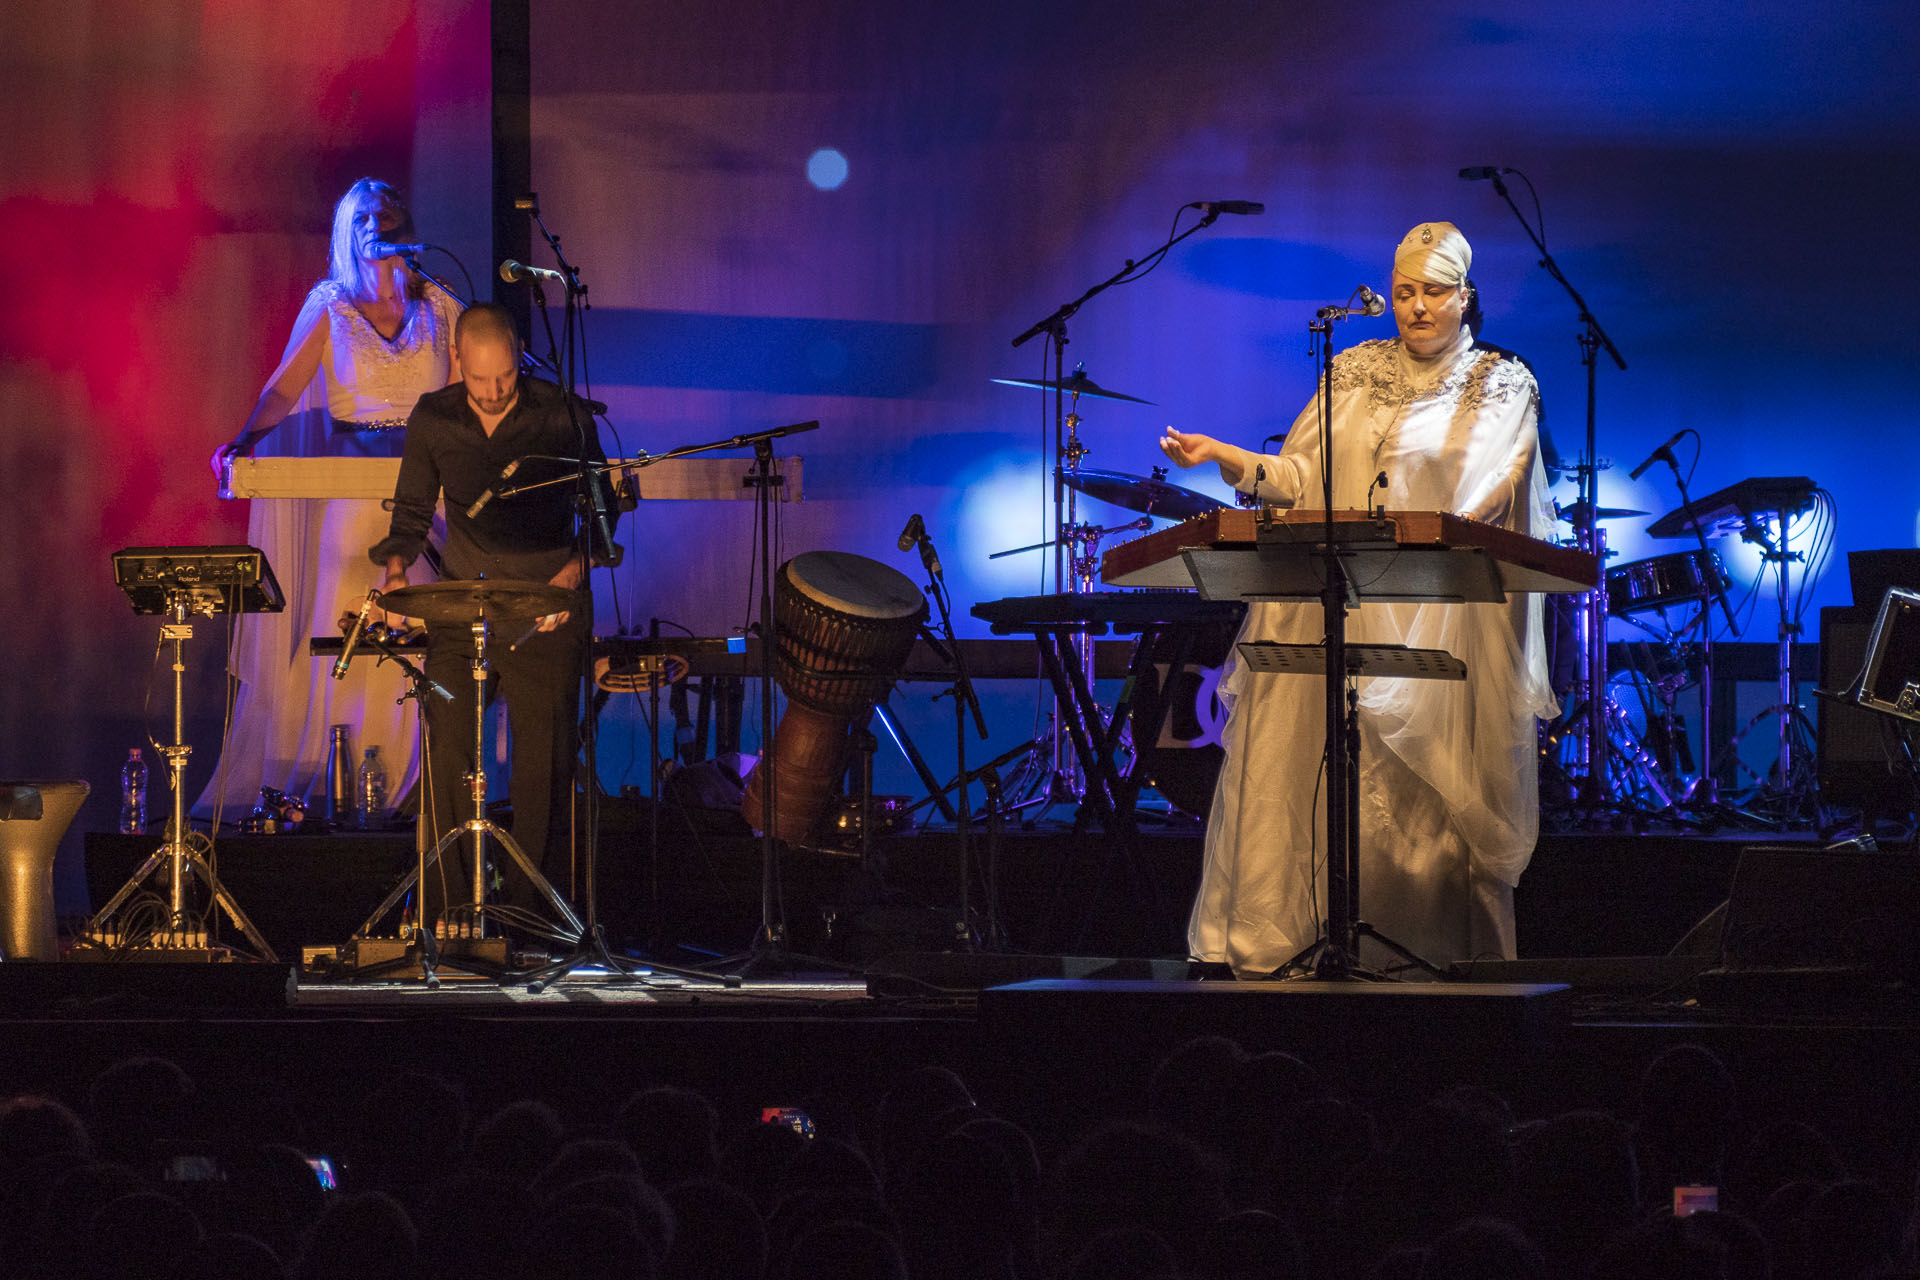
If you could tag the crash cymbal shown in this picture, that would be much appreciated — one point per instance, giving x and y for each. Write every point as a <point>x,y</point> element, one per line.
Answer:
<point>1574,512</point>
<point>1076,383</point>
<point>495,599</point>
<point>1150,494</point>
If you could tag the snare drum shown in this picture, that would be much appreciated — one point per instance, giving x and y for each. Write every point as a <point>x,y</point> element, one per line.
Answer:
<point>1682,577</point>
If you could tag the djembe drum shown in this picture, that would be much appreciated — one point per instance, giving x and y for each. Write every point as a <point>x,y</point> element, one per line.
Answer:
<point>845,627</point>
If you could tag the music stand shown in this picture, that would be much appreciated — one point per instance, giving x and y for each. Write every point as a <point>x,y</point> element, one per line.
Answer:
<point>178,582</point>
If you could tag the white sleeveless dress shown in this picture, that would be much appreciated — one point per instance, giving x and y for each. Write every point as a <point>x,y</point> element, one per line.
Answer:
<point>287,702</point>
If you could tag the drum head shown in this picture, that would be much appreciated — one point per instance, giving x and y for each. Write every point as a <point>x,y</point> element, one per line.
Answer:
<point>854,585</point>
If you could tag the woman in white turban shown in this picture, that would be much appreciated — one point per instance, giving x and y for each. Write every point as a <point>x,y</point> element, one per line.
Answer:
<point>1449,804</point>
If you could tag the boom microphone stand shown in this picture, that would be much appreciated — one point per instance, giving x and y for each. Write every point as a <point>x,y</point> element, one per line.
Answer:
<point>1067,450</point>
<point>1592,338</point>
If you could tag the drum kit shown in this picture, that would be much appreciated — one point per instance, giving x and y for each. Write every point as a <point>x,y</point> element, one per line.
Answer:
<point>1052,775</point>
<point>1671,599</point>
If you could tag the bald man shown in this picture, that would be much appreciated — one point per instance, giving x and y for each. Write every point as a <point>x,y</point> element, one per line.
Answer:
<point>459,440</point>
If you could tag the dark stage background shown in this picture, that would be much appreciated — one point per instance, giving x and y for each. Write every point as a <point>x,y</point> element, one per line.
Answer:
<point>1728,184</point>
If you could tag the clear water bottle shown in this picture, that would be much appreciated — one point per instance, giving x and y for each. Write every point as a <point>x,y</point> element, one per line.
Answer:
<point>371,796</point>
<point>133,794</point>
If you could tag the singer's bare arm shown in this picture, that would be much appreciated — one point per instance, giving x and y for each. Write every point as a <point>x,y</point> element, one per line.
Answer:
<point>1190,449</point>
<point>282,390</point>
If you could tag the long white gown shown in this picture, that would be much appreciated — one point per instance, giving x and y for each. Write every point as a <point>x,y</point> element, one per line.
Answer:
<point>287,702</point>
<point>1449,806</point>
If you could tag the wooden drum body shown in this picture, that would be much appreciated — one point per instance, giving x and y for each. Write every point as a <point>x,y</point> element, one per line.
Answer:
<point>845,626</point>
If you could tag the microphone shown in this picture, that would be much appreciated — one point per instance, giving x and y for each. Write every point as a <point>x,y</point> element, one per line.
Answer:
<point>1214,207</point>
<point>1664,451</point>
<point>519,273</point>
<point>391,249</point>
<point>480,503</point>
<point>1372,303</point>
<point>916,529</point>
<point>1481,172</point>
<point>930,558</point>
<point>353,637</point>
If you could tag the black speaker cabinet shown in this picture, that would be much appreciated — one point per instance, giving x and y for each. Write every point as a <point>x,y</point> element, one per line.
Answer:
<point>1800,907</point>
<point>1850,757</point>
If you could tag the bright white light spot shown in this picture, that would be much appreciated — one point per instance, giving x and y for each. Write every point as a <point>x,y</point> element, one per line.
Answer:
<point>1003,509</point>
<point>827,169</point>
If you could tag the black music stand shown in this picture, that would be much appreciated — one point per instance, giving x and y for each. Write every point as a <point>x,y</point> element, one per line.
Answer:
<point>1289,566</point>
<point>179,582</point>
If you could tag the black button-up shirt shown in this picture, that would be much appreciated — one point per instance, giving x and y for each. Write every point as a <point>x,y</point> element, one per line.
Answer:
<point>528,535</point>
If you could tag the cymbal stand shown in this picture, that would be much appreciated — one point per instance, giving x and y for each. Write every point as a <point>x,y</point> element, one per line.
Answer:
<point>476,829</point>
<point>419,684</point>
<point>1595,789</point>
<point>180,857</point>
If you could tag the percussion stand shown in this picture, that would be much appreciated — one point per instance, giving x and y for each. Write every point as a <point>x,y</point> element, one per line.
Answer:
<point>180,857</point>
<point>1595,788</point>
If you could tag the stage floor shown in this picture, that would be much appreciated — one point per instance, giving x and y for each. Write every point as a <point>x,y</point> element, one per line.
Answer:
<point>1065,1024</point>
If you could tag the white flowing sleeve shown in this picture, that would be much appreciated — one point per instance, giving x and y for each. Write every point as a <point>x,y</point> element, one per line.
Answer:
<point>1280,479</point>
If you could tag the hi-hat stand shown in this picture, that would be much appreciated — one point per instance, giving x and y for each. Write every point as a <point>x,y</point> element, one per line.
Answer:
<point>180,582</point>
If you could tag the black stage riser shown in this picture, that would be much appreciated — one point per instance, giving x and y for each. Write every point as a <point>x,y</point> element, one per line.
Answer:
<point>1583,895</point>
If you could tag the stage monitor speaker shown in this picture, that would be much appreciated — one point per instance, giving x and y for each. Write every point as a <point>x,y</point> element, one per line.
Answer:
<point>1851,757</point>
<point>1836,910</point>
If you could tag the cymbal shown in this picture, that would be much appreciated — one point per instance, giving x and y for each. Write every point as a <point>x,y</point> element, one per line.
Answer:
<point>1573,512</point>
<point>495,599</point>
<point>1152,495</point>
<point>1075,383</point>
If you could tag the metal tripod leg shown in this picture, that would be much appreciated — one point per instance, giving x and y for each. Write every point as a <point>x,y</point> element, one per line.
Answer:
<point>193,862</point>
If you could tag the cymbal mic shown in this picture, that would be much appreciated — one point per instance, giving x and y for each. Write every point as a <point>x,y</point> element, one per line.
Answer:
<point>1075,383</point>
<point>1575,512</point>
<point>1151,495</point>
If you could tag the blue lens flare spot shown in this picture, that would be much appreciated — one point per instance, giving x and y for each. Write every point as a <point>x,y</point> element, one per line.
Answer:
<point>827,169</point>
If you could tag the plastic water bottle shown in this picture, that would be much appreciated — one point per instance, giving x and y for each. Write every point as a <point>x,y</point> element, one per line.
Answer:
<point>371,796</point>
<point>133,794</point>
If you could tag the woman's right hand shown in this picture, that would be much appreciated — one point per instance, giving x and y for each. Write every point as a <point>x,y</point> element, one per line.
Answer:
<point>1189,448</point>
<point>219,460</point>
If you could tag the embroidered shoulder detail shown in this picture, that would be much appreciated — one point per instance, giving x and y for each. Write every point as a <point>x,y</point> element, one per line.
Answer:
<point>1371,366</point>
<point>1491,377</point>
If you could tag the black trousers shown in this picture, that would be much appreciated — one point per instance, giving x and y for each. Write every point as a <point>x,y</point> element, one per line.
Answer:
<point>540,680</point>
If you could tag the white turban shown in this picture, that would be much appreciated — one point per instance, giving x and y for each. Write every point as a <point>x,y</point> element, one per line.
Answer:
<point>1435,252</point>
